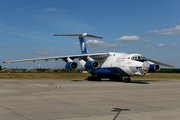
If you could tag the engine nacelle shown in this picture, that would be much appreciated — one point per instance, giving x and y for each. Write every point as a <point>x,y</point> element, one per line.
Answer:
<point>92,65</point>
<point>154,68</point>
<point>71,65</point>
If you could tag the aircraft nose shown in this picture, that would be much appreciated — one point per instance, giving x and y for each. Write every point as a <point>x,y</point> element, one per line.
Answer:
<point>145,65</point>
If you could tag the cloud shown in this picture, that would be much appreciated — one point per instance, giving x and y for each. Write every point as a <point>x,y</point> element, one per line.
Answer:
<point>45,52</point>
<point>4,27</point>
<point>128,38</point>
<point>31,36</point>
<point>147,40</point>
<point>162,44</point>
<point>175,44</point>
<point>170,31</point>
<point>95,42</point>
<point>99,44</point>
<point>24,9</point>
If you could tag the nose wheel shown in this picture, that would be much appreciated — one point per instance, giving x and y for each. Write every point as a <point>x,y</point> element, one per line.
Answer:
<point>127,80</point>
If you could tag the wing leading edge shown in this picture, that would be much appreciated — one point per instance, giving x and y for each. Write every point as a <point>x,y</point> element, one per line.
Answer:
<point>81,56</point>
<point>159,63</point>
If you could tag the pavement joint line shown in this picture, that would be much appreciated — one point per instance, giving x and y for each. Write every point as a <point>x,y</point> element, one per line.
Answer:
<point>15,112</point>
<point>69,103</point>
<point>161,108</point>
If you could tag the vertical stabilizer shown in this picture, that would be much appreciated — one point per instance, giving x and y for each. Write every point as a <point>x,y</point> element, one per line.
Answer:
<point>83,45</point>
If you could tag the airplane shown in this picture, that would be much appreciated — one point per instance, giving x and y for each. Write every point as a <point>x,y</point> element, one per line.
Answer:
<point>110,65</point>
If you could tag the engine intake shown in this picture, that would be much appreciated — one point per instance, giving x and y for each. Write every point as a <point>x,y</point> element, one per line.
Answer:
<point>71,65</point>
<point>154,68</point>
<point>92,65</point>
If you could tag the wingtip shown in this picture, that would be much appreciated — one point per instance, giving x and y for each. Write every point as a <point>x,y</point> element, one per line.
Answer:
<point>4,62</point>
<point>55,34</point>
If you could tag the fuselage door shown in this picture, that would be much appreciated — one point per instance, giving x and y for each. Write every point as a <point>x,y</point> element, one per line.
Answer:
<point>119,67</point>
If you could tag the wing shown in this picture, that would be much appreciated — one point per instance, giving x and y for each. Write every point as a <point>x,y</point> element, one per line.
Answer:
<point>159,63</point>
<point>81,56</point>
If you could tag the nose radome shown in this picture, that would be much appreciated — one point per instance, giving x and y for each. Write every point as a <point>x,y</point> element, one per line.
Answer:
<point>145,65</point>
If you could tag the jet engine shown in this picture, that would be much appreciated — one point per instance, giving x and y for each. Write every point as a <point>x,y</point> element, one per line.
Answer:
<point>71,65</point>
<point>92,64</point>
<point>154,68</point>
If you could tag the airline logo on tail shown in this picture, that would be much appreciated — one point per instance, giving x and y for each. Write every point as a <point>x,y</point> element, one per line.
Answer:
<point>83,46</point>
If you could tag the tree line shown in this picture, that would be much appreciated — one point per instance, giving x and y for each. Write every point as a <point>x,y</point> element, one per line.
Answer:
<point>162,70</point>
<point>166,70</point>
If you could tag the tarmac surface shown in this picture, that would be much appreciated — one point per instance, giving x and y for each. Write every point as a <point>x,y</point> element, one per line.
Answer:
<point>89,100</point>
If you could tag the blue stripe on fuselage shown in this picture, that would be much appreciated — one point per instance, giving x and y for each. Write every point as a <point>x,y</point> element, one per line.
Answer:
<point>110,70</point>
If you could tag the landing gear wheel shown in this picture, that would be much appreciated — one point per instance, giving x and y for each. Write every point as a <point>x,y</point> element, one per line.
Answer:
<point>89,78</point>
<point>97,79</point>
<point>112,79</point>
<point>127,80</point>
<point>117,78</point>
<point>121,79</point>
<point>93,78</point>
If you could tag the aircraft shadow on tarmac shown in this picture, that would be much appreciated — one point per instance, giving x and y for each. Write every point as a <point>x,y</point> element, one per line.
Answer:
<point>77,80</point>
<point>133,81</point>
<point>118,110</point>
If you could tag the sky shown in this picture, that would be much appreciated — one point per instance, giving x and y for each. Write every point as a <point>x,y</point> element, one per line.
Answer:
<point>147,27</point>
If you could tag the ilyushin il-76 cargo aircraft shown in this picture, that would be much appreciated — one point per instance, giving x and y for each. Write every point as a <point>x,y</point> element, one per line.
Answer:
<point>110,65</point>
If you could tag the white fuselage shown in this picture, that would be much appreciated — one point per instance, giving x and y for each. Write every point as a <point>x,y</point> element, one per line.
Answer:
<point>123,63</point>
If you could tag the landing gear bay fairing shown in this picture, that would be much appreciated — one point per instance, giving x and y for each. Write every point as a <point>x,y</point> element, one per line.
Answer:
<point>110,65</point>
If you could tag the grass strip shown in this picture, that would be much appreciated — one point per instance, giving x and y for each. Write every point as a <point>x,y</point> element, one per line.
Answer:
<point>80,76</point>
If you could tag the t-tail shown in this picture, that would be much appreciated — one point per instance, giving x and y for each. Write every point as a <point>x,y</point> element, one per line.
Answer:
<point>83,45</point>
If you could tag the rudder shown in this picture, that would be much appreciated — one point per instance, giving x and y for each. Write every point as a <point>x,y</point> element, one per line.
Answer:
<point>84,49</point>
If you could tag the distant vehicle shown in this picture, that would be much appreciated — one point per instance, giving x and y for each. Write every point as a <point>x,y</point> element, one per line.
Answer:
<point>110,65</point>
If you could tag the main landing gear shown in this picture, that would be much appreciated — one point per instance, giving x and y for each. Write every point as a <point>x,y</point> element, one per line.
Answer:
<point>94,78</point>
<point>127,80</point>
<point>117,78</point>
<point>111,78</point>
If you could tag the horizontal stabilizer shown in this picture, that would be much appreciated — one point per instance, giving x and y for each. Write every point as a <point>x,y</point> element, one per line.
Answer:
<point>80,35</point>
<point>159,63</point>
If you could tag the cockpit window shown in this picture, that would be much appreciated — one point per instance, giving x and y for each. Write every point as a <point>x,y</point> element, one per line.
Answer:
<point>139,58</point>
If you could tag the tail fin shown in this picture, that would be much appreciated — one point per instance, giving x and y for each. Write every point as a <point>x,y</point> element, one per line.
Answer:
<point>84,48</point>
<point>83,45</point>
